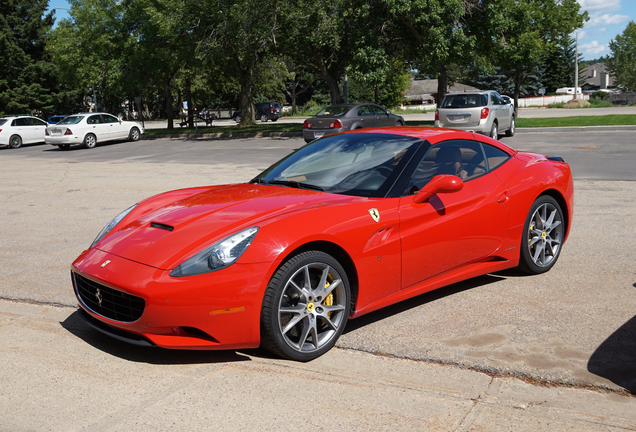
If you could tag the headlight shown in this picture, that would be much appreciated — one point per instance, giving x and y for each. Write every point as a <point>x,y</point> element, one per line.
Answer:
<point>112,224</point>
<point>220,255</point>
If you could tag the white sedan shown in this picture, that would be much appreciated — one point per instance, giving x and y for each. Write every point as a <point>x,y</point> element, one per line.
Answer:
<point>88,129</point>
<point>18,130</point>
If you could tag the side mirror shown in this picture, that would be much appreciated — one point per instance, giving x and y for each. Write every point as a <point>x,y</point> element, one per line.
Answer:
<point>439,184</point>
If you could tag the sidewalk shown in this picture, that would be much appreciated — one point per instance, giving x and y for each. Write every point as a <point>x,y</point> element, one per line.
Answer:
<point>57,374</point>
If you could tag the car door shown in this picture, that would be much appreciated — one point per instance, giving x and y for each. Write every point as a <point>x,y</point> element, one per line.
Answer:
<point>23,128</point>
<point>96,126</point>
<point>38,128</point>
<point>381,116</point>
<point>366,116</point>
<point>116,129</point>
<point>452,229</point>
<point>503,111</point>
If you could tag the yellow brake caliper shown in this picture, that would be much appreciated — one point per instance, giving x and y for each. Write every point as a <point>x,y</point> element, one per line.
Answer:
<point>329,299</point>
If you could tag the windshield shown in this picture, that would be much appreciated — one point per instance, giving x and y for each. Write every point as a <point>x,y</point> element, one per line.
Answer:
<point>464,101</point>
<point>71,120</point>
<point>333,111</point>
<point>361,164</point>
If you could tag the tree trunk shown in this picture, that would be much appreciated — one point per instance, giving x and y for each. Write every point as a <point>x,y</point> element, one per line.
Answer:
<point>442,83</point>
<point>377,95</point>
<point>188,95</point>
<point>168,100</point>
<point>247,104</point>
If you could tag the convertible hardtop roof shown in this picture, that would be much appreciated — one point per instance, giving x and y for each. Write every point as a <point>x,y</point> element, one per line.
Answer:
<point>435,135</point>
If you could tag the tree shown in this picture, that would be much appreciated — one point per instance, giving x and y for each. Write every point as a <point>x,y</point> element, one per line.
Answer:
<point>622,60</point>
<point>519,32</point>
<point>560,65</point>
<point>27,77</point>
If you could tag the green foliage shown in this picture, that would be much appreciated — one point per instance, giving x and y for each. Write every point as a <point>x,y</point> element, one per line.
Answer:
<point>622,60</point>
<point>27,78</point>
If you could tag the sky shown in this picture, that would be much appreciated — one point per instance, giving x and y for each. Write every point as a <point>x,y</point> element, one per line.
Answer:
<point>608,18</point>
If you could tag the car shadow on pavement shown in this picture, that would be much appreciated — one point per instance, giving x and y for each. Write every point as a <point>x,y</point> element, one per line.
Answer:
<point>615,358</point>
<point>421,299</point>
<point>75,325</point>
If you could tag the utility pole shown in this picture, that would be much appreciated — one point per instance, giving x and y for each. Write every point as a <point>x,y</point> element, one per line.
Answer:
<point>576,67</point>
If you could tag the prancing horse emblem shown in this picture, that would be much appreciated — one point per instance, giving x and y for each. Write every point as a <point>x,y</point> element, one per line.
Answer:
<point>375,214</point>
<point>98,296</point>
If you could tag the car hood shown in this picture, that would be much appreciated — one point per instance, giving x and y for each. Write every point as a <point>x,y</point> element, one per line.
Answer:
<point>164,230</point>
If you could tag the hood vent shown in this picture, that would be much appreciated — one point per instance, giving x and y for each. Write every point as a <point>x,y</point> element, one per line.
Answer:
<point>162,226</point>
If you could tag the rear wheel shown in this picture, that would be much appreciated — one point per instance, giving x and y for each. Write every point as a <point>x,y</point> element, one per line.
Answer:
<point>263,118</point>
<point>306,307</point>
<point>15,141</point>
<point>511,130</point>
<point>237,118</point>
<point>543,236</point>
<point>90,141</point>
<point>494,132</point>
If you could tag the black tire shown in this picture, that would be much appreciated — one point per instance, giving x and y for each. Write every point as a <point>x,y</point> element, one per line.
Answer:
<point>494,131</point>
<point>543,235</point>
<point>64,146</point>
<point>399,123</point>
<point>237,119</point>
<point>90,141</point>
<point>317,315</point>
<point>134,134</point>
<point>511,130</point>
<point>15,141</point>
<point>263,118</point>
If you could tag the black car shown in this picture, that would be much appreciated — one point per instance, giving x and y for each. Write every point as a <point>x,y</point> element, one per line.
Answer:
<point>264,111</point>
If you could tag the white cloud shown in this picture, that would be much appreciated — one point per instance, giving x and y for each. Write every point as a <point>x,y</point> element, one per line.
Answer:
<point>593,48</point>
<point>600,5</point>
<point>582,34</point>
<point>606,19</point>
<point>601,30</point>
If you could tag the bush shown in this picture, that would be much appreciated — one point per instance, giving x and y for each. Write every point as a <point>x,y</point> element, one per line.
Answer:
<point>599,95</point>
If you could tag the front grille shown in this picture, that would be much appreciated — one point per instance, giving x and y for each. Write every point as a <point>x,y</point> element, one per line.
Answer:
<point>107,302</point>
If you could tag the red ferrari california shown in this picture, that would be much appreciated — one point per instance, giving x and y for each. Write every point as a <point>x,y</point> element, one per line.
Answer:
<point>345,225</point>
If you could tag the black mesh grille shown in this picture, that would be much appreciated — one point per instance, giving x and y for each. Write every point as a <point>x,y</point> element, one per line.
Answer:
<point>108,302</point>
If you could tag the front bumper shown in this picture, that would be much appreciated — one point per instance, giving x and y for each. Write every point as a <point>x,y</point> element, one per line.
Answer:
<point>219,310</point>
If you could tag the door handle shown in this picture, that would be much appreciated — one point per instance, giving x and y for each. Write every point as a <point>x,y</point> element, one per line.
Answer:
<point>503,198</point>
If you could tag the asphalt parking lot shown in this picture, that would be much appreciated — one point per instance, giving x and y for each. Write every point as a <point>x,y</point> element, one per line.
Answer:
<point>443,360</point>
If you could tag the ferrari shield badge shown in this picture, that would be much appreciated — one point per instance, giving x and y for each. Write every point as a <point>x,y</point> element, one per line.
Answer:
<point>375,214</point>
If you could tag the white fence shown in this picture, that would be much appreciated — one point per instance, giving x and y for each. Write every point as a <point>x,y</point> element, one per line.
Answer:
<point>542,101</point>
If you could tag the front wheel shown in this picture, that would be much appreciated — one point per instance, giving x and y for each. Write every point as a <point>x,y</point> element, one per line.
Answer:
<point>542,236</point>
<point>15,141</point>
<point>134,134</point>
<point>511,130</point>
<point>237,119</point>
<point>275,119</point>
<point>90,141</point>
<point>306,307</point>
<point>399,123</point>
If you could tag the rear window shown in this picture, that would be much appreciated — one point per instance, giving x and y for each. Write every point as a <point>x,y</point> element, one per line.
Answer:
<point>333,111</point>
<point>464,101</point>
<point>71,120</point>
<point>2,121</point>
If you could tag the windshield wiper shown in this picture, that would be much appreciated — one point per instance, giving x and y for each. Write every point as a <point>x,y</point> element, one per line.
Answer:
<point>295,184</point>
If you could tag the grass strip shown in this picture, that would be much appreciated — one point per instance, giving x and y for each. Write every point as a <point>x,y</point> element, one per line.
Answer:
<point>605,120</point>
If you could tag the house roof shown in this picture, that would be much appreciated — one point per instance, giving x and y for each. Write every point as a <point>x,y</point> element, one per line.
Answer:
<point>593,75</point>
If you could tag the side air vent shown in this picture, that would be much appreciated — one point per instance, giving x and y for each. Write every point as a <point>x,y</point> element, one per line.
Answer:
<point>162,226</point>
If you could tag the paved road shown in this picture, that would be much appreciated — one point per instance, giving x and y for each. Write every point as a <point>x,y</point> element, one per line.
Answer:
<point>575,324</point>
<point>523,113</point>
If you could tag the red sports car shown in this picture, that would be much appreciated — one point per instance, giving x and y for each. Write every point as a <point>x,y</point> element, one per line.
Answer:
<point>343,226</point>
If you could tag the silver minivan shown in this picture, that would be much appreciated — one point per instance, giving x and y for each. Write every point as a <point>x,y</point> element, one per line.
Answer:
<point>483,112</point>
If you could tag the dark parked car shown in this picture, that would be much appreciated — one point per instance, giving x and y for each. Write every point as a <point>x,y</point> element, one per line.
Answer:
<point>264,111</point>
<point>346,117</point>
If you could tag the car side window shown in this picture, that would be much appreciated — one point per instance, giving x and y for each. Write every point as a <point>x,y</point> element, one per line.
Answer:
<point>37,122</point>
<point>495,156</point>
<point>21,122</point>
<point>95,119</point>
<point>364,111</point>
<point>462,158</point>
<point>109,119</point>
<point>379,110</point>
